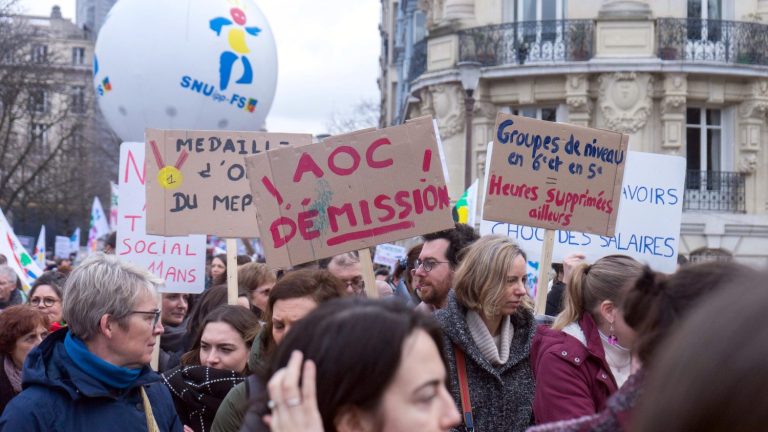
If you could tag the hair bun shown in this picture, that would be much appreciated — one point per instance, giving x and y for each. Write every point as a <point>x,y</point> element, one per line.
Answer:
<point>651,282</point>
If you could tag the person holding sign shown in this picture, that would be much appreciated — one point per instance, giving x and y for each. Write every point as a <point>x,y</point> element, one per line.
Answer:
<point>95,374</point>
<point>585,356</point>
<point>488,325</point>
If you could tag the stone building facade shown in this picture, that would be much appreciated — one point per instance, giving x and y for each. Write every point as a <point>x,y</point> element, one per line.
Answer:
<point>681,77</point>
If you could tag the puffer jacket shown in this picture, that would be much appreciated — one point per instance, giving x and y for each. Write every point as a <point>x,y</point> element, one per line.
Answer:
<point>502,396</point>
<point>572,380</point>
<point>57,396</point>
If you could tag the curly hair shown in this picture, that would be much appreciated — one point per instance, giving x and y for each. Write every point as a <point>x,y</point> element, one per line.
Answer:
<point>459,237</point>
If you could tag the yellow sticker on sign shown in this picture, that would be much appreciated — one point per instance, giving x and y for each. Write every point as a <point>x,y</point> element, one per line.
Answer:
<point>170,177</point>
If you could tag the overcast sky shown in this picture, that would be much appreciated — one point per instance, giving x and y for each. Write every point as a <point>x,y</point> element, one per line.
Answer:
<point>327,57</point>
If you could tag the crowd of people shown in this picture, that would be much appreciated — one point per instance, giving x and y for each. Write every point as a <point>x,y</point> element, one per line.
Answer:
<point>450,343</point>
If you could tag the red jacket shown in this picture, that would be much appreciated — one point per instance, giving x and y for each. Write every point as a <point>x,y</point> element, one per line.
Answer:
<point>572,380</point>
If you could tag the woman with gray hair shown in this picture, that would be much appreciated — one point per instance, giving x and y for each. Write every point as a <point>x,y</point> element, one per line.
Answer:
<point>94,374</point>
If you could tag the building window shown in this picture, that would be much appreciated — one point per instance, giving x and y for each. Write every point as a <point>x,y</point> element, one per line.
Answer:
<point>78,99</point>
<point>704,20</point>
<point>78,55</point>
<point>39,53</point>
<point>704,139</point>
<point>38,135</point>
<point>38,101</point>
<point>541,113</point>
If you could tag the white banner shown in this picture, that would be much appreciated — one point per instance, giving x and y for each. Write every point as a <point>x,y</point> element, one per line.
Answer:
<point>178,260</point>
<point>648,225</point>
<point>18,258</point>
<point>388,254</point>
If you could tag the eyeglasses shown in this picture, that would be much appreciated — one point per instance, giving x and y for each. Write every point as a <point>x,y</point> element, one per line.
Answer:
<point>357,284</point>
<point>428,264</point>
<point>155,318</point>
<point>46,301</point>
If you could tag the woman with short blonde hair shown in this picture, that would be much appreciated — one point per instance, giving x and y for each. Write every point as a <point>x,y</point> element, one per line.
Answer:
<point>488,326</point>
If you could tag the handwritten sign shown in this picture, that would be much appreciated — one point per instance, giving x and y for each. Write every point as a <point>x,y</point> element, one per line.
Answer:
<point>178,260</point>
<point>349,193</point>
<point>649,216</point>
<point>196,180</point>
<point>389,254</point>
<point>555,175</point>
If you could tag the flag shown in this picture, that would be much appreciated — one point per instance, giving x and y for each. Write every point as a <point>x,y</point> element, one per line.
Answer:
<point>99,226</point>
<point>74,243</point>
<point>40,249</point>
<point>18,258</point>
<point>113,206</point>
<point>466,207</point>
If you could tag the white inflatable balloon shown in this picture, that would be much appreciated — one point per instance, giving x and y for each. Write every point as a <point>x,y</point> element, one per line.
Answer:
<point>185,64</point>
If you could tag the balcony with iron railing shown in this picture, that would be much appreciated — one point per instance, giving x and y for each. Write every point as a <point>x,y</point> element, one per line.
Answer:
<point>525,42</point>
<point>418,60</point>
<point>715,191</point>
<point>697,40</point>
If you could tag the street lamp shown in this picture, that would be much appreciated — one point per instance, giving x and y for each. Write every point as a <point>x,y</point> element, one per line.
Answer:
<point>469,74</point>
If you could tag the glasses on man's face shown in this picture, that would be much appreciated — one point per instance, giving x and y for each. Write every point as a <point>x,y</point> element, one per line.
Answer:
<point>46,301</point>
<point>357,284</point>
<point>155,317</point>
<point>427,264</point>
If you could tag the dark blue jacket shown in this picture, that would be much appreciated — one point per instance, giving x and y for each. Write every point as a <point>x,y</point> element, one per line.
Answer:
<point>58,396</point>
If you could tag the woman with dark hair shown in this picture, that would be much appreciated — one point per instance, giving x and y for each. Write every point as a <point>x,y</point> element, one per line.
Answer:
<point>710,372</point>
<point>653,307</point>
<point>217,274</point>
<point>23,328</point>
<point>209,300</point>
<point>291,299</point>
<point>359,386</point>
<point>217,362</point>
<point>585,357</point>
<point>488,325</point>
<point>47,294</point>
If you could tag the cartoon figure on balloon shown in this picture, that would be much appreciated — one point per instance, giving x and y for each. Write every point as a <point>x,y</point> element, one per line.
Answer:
<point>239,48</point>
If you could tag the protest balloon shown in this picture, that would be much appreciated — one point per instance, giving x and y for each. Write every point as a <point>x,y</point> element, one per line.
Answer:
<point>186,64</point>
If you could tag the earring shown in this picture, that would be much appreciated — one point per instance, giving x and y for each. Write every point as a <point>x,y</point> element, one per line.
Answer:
<point>612,339</point>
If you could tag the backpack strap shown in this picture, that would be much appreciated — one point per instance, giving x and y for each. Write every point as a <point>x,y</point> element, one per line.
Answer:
<point>466,403</point>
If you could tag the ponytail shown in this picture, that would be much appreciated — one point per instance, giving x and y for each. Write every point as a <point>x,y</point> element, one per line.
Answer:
<point>573,300</point>
<point>590,285</point>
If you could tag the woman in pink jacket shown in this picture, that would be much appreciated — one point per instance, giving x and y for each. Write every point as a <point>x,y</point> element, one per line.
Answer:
<point>585,357</point>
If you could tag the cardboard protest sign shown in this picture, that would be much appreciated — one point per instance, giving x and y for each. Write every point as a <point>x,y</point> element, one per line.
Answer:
<point>196,181</point>
<point>648,223</point>
<point>369,188</point>
<point>389,254</point>
<point>555,175</point>
<point>178,260</point>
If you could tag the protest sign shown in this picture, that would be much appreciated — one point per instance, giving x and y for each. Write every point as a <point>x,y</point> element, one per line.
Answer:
<point>62,247</point>
<point>388,254</point>
<point>555,175</point>
<point>648,223</point>
<point>374,187</point>
<point>178,260</point>
<point>18,258</point>
<point>196,182</point>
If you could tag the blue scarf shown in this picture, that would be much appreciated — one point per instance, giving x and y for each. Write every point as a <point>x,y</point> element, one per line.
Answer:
<point>106,373</point>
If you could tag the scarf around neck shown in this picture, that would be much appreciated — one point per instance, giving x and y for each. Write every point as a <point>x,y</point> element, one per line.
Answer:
<point>106,373</point>
<point>496,355</point>
<point>13,373</point>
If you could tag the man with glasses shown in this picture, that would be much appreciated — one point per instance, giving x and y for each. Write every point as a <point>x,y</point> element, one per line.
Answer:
<point>9,293</point>
<point>347,267</point>
<point>439,258</point>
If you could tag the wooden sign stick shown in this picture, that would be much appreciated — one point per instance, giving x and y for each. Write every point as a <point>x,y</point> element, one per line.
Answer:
<point>154,362</point>
<point>366,265</point>
<point>545,263</point>
<point>232,271</point>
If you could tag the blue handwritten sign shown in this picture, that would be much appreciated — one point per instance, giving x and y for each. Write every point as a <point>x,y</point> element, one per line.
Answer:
<point>555,175</point>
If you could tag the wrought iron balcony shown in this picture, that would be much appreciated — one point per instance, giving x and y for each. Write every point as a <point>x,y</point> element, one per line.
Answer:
<point>712,41</point>
<point>418,60</point>
<point>528,42</point>
<point>718,191</point>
